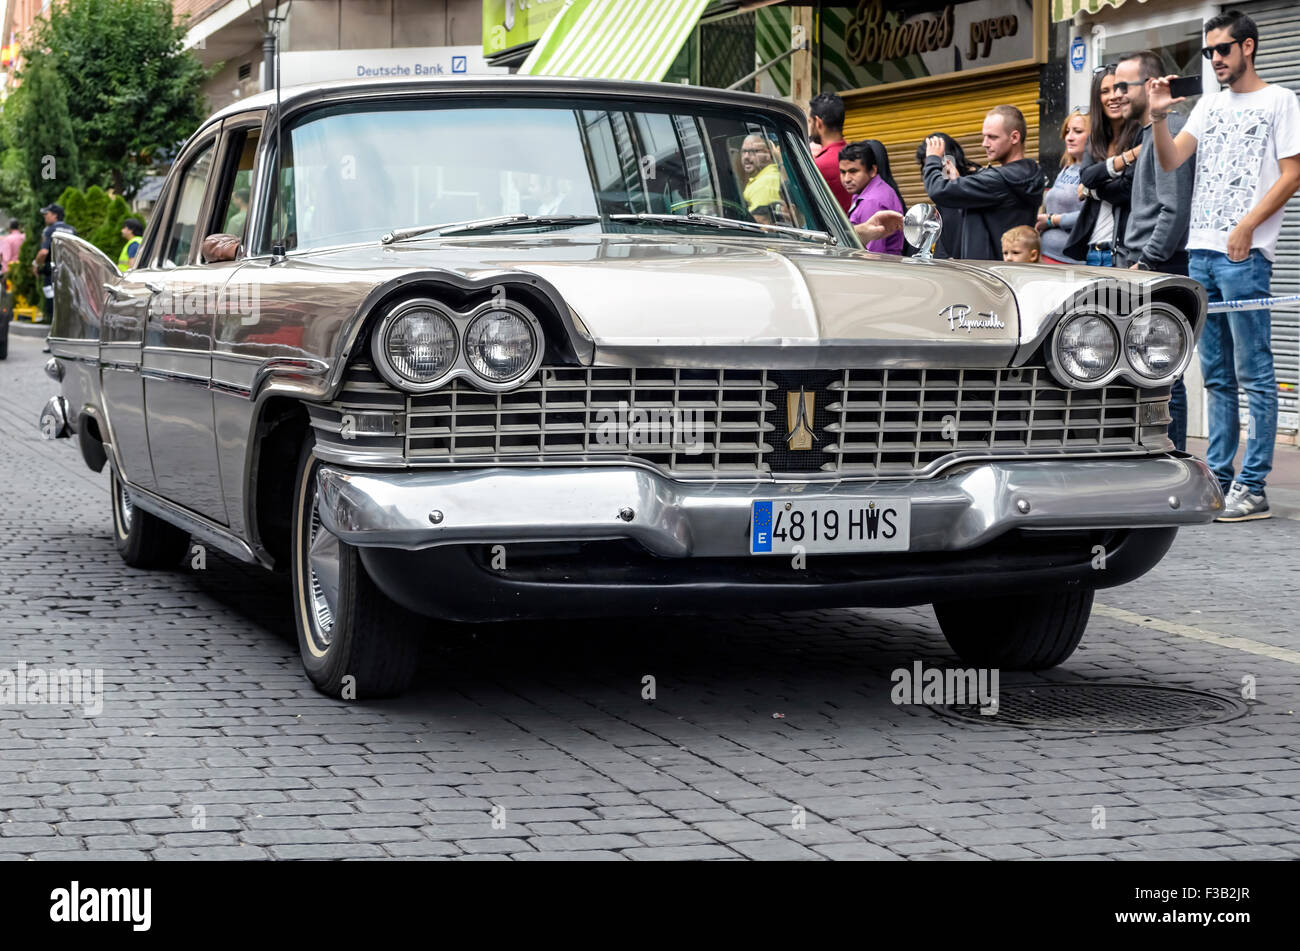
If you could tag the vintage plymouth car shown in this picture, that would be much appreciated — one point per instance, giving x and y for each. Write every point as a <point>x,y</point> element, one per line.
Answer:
<point>498,348</point>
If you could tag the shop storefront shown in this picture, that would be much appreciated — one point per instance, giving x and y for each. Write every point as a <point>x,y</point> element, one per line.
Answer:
<point>908,70</point>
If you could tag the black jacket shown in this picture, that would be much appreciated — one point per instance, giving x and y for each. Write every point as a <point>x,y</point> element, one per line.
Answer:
<point>994,200</point>
<point>1117,191</point>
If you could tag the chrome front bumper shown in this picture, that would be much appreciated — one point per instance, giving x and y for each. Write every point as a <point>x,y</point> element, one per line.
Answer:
<point>964,509</point>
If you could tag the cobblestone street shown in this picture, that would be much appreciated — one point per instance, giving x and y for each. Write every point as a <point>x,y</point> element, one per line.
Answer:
<point>534,741</point>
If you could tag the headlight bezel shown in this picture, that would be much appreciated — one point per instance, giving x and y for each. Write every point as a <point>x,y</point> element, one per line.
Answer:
<point>1057,367</point>
<point>460,367</point>
<point>1184,328</point>
<point>534,328</point>
<point>1121,367</point>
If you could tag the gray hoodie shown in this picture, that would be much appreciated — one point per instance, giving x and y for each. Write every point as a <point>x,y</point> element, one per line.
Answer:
<point>1161,206</point>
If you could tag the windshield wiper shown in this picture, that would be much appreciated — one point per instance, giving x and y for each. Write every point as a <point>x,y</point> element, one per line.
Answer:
<point>717,221</point>
<point>496,221</point>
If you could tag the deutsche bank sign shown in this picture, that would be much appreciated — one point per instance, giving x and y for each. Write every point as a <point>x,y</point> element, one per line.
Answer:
<point>318,66</point>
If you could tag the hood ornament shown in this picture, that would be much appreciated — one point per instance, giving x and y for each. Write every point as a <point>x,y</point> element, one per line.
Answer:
<point>921,227</point>
<point>798,419</point>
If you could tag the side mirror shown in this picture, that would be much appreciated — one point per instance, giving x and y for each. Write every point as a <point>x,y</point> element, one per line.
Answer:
<point>219,247</point>
<point>922,226</point>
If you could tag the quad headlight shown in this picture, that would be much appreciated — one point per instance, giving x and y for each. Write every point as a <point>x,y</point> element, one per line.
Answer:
<point>423,344</point>
<point>1085,347</point>
<point>419,345</point>
<point>1150,346</point>
<point>500,345</point>
<point>1156,343</point>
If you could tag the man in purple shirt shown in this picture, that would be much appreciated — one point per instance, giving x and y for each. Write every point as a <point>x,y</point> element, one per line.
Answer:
<point>860,175</point>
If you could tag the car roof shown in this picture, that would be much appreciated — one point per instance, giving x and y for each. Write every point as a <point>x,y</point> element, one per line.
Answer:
<point>295,97</point>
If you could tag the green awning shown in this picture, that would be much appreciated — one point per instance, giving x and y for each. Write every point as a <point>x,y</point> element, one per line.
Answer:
<point>614,39</point>
<point>1066,9</point>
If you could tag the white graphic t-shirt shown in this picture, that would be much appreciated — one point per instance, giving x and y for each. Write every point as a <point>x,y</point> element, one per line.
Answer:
<point>1239,139</point>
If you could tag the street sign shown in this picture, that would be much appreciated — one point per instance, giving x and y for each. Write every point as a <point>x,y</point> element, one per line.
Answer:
<point>1078,54</point>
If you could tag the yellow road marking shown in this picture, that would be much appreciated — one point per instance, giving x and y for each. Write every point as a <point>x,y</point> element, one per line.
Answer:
<point>1199,634</point>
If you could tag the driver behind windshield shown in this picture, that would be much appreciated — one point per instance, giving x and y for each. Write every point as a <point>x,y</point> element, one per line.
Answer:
<point>762,178</point>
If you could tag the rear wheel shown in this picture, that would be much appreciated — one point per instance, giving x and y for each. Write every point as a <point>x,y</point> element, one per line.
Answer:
<point>143,539</point>
<point>354,642</point>
<point>1019,632</point>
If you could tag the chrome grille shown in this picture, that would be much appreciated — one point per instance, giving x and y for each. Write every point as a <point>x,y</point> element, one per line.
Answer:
<point>682,420</point>
<point>707,422</point>
<point>902,421</point>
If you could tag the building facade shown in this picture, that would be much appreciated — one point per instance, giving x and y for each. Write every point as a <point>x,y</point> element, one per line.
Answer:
<point>331,39</point>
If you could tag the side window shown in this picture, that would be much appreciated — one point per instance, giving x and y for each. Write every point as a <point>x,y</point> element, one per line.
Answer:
<point>231,209</point>
<point>189,202</point>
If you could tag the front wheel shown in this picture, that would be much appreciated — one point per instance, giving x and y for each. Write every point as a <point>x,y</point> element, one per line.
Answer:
<point>1018,632</point>
<point>354,642</point>
<point>143,539</point>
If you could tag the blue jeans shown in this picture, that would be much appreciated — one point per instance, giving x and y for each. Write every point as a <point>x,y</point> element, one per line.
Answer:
<point>1178,415</point>
<point>1099,258</point>
<point>1235,350</point>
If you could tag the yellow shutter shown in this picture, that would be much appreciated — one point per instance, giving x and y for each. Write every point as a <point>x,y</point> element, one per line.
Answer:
<point>901,118</point>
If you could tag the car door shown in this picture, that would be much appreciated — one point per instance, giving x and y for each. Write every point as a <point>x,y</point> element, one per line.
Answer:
<point>121,351</point>
<point>176,364</point>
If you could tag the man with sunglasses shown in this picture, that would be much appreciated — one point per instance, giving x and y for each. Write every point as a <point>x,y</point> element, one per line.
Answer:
<point>1247,142</point>
<point>1155,235</point>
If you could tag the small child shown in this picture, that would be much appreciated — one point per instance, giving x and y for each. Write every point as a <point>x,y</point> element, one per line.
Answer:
<point>1021,244</point>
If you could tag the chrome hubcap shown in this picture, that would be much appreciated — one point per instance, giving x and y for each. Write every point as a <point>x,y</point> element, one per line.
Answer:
<point>128,509</point>
<point>323,556</point>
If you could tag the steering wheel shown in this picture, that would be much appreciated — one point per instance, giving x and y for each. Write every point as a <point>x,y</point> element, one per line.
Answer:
<point>723,202</point>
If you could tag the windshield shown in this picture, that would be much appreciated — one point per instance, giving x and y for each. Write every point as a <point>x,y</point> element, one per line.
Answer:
<point>357,175</point>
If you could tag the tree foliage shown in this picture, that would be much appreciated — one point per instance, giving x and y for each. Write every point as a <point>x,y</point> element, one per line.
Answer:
<point>97,217</point>
<point>47,157</point>
<point>132,87</point>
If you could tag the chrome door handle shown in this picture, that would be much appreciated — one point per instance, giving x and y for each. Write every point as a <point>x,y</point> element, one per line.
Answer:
<point>154,288</point>
<point>116,292</point>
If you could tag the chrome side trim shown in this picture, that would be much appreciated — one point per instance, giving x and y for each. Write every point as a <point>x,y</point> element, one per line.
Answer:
<point>152,373</point>
<point>288,367</point>
<point>231,389</point>
<point>84,351</point>
<point>200,528</point>
<point>970,507</point>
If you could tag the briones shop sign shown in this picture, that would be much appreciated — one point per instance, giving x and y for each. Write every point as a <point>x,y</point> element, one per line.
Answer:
<point>944,39</point>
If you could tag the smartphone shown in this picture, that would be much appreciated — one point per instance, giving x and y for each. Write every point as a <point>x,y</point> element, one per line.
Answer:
<point>1185,86</point>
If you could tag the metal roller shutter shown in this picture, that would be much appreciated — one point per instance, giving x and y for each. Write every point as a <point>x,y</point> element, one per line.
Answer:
<point>1278,61</point>
<point>902,118</point>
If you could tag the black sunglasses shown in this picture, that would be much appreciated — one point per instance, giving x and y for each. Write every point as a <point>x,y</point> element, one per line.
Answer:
<point>1104,69</point>
<point>1223,49</point>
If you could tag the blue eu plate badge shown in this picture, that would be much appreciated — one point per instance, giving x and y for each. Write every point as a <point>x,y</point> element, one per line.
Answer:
<point>761,534</point>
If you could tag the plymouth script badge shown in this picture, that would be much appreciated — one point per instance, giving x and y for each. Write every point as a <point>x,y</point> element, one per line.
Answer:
<point>958,317</point>
<point>798,419</point>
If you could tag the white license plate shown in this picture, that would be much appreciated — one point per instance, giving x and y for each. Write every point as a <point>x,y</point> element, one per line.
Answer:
<point>821,525</point>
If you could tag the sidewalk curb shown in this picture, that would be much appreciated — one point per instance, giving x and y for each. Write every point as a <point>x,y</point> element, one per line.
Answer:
<point>23,328</point>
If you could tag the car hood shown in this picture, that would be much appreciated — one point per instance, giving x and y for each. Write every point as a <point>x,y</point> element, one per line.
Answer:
<point>688,296</point>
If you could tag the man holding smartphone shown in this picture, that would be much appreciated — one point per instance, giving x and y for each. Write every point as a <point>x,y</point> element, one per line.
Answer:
<point>1247,142</point>
<point>1155,236</point>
